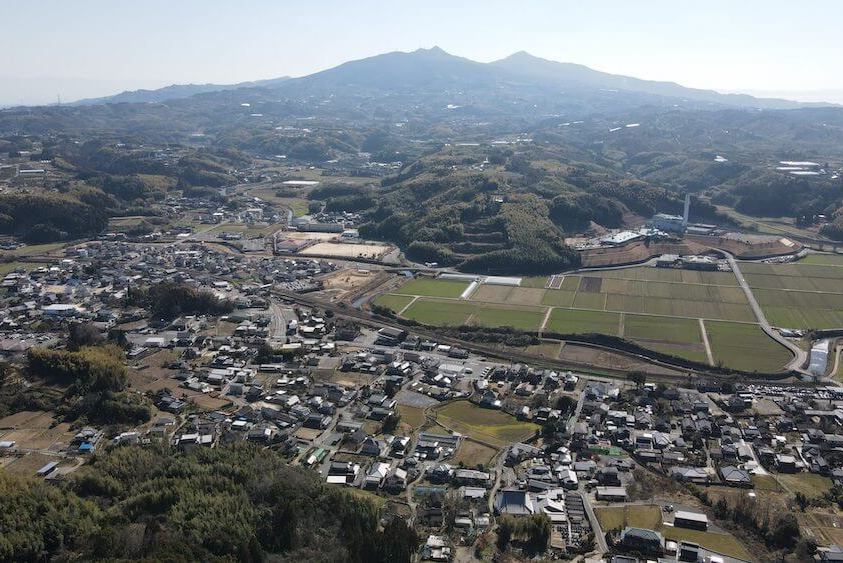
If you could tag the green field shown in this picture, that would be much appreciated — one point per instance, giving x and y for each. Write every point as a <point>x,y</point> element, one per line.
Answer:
<point>569,321</point>
<point>522,318</point>
<point>8,267</point>
<point>538,282</point>
<point>394,302</point>
<point>433,288</point>
<point>823,259</point>
<point>661,309</point>
<point>440,312</point>
<point>807,294</point>
<point>679,337</point>
<point>745,346</point>
<point>486,425</point>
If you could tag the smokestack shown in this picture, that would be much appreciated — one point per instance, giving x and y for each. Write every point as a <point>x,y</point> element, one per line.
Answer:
<point>687,209</point>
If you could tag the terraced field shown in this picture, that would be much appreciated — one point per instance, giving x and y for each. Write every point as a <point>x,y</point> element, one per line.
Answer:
<point>807,294</point>
<point>660,309</point>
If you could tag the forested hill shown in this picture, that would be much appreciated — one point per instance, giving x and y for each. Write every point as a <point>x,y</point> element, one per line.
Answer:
<point>228,503</point>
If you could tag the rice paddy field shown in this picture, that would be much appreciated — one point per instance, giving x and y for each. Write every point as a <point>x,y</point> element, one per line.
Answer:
<point>807,294</point>
<point>666,310</point>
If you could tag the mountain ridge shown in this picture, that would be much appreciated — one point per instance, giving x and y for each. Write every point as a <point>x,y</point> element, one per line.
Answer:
<point>398,71</point>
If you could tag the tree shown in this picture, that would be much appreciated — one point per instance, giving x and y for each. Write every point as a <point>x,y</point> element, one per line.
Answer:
<point>505,529</point>
<point>786,531</point>
<point>83,334</point>
<point>638,377</point>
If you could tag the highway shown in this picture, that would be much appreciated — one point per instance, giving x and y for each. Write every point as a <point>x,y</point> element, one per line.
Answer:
<point>800,356</point>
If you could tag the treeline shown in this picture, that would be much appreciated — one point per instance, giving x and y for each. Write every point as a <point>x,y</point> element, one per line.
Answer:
<point>169,300</point>
<point>95,378</point>
<point>228,503</point>
<point>537,246</point>
<point>48,217</point>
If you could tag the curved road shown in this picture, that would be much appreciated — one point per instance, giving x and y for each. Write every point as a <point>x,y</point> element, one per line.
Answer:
<point>800,356</point>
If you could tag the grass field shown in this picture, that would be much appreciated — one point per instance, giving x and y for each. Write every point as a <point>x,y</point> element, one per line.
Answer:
<point>472,454</point>
<point>745,346</point>
<point>7,267</point>
<point>721,543</point>
<point>411,416</point>
<point>433,288</point>
<point>486,425</point>
<point>809,484</point>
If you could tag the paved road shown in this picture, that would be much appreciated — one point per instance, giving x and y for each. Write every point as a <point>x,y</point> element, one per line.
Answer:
<point>800,356</point>
<point>599,535</point>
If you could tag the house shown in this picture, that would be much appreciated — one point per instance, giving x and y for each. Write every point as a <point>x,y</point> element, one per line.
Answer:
<point>786,463</point>
<point>396,481</point>
<point>372,447</point>
<point>690,520</point>
<point>612,494</point>
<point>376,476</point>
<point>514,502</point>
<point>436,549</point>
<point>735,477</point>
<point>642,540</point>
<point>696,475</point>
<point>317,421</point>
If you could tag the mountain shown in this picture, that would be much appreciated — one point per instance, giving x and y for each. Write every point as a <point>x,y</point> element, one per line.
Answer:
<point>519,74</point>
<point>529,67</point>
<point>175,92</point>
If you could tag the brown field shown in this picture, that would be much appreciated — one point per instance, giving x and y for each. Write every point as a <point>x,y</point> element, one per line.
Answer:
<point>373,251</point>
<point>472,453</point>
<point>31,430</point>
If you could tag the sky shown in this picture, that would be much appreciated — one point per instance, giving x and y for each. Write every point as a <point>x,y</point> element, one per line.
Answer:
<point>84,48</point>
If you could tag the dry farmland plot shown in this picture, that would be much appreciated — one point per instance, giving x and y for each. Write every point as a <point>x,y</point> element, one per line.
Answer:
<point>486,425</point>
<point>340,250</point>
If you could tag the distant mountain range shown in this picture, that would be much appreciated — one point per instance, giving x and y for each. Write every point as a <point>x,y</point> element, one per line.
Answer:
<point>435,69</point>
<point>175,92</point>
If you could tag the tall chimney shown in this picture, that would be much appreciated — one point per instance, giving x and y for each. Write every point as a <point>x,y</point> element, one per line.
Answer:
<point>687,209</point>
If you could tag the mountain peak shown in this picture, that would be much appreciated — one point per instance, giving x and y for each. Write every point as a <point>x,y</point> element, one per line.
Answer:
<point>435,50</point>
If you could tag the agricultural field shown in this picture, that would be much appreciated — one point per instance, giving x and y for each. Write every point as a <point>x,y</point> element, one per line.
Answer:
<point>638,516</point>
<point>394,302</point>
<point>433,288</point>
<point>485,425</point>
<point>807,294</point>
<point>659,309</point>
<point>472,454</point>
<point>745,346</point>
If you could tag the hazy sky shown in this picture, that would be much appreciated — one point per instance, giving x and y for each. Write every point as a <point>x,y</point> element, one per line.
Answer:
<point>80,48</point>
